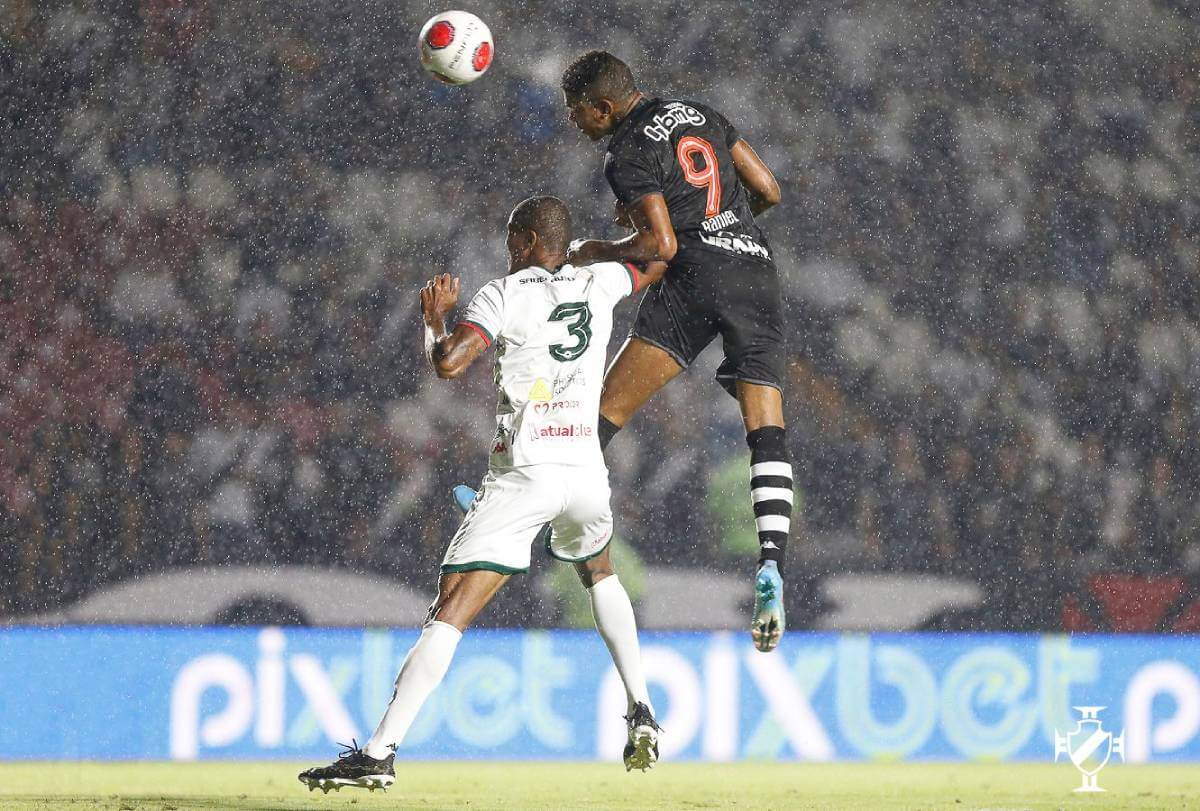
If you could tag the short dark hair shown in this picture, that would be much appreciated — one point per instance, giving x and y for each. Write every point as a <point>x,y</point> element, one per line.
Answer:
<point>546,216</point>
<point>598,74</point>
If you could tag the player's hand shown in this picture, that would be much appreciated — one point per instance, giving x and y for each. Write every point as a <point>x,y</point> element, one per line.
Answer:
<point>439,296</point>
<point>583,252</point>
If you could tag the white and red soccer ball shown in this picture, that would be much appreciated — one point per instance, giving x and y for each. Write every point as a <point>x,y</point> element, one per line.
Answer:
<point>456,47</point>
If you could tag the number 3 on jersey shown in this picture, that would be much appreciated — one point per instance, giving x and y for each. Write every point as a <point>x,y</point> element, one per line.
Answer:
<point>580,328</point>
<point>709,177</point>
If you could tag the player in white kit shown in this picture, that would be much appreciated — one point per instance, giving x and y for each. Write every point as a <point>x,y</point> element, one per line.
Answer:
<point>550,323</point>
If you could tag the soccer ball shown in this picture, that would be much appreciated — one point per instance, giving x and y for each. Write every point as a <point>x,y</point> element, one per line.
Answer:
<point>456,47</point>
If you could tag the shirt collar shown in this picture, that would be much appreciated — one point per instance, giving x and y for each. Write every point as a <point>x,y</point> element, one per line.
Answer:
<point>627,121</point>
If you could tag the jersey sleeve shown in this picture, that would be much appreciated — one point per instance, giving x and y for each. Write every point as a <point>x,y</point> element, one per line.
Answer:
<point>732,136</point>
<point>632,174</point>
<point>618,279</point>
<point>485,313</point>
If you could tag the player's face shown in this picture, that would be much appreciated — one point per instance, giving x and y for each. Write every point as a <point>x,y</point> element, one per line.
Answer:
<point>594,121</point>
<point>519,244</point>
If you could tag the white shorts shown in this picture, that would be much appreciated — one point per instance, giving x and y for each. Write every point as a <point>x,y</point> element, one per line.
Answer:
<point>511,508</point>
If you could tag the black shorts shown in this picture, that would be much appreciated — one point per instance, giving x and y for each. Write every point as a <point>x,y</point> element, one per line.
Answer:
<point>734,298</point>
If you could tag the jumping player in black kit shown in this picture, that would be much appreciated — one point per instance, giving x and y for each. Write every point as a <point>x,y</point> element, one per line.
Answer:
<point>692,187</point>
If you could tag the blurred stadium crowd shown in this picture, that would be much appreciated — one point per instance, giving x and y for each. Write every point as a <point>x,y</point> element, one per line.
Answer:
<point>214,219</point>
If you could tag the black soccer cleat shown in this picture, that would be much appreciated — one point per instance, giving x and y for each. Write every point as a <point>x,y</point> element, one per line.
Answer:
<point>354,767</point>
<point>641,752</point>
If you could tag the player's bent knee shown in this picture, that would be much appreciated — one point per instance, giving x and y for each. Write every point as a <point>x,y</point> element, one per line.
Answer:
<point>592,571</point>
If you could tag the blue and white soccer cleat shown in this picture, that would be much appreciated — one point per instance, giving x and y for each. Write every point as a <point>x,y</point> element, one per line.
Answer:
<point>766,629</point>
<point>464,497</point>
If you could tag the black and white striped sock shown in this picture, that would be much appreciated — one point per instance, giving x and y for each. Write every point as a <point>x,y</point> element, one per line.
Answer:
<point>771,491</point>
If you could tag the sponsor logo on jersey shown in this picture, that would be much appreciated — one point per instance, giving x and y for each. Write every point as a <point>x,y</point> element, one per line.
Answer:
<point>542,409</point>
<point>500,440</point>
<point>575,431</point>
<point>716,223</point>
<point>543,279</point>
<point>561,384</point>
<point>541,391</point>
<point>673,115</point>
<point>736,245</point>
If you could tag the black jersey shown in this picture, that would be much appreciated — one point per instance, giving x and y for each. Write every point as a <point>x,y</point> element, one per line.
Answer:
<point>681,149</point>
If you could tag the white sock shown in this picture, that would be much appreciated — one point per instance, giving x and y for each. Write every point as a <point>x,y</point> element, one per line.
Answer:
<point>614,620</point>
<point>422,671</point>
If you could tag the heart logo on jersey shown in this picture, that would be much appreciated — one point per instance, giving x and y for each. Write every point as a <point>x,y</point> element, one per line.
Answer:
<point>541,408</point>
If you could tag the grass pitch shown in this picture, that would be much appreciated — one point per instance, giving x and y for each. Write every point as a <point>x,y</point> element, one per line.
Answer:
<point>543,786</point>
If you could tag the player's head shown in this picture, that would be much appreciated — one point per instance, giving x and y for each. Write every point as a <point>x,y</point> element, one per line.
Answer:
<point>598,89</point>
<point>539,231</point>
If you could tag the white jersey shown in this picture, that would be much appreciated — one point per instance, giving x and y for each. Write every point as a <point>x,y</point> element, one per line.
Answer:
<point>551,330</point>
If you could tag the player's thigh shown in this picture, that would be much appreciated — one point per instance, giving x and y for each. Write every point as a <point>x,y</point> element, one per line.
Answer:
<point>462,595</point>
<point>509,512</point>
<point>753,338</point>
<point>585,526</point>
<point>639,370</point>
<point>674,323</point>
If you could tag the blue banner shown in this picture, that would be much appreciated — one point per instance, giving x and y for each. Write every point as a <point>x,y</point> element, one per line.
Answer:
<point>185,694</point>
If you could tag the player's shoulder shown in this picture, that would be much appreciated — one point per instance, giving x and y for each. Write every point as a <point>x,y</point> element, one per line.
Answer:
<point>659,122</point>
<point>582,274</point>
<point>612,276</point>
<point>599,268</point>
<point>493,287</point>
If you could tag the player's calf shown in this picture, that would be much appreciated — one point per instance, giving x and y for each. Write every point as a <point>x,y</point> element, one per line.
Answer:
<point>771,495</point>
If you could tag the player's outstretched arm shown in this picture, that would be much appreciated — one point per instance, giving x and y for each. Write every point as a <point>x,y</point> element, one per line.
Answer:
<point>449,354</point>
<point>653,238</point>
<point>760,183</point>
<point>650,272</point>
